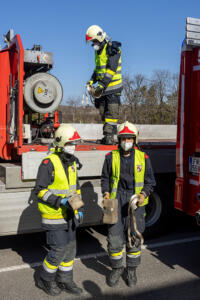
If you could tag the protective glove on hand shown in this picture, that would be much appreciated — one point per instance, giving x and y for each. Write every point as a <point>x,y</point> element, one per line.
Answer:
<point>106,195</point>
<point>64,201</point>
<point>90,89</point>
<point>98,91</point>
<point>79,216</point>
<point>90,82</point>
<point>141,199</point>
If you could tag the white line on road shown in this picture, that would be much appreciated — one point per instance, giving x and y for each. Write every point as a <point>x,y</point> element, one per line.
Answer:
<point>103,253</point>
<point>169,243</point>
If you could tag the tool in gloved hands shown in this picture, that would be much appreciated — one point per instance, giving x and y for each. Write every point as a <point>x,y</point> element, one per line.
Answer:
<point>134,201</point>
<point>79,216</point>
<point>75,201</point>
<point>110,209</point>
<point>95,92</point>
<point>64,201</point>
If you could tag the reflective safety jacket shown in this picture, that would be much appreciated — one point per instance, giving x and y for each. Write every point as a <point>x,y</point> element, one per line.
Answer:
<point>60,187</point>
<point>139,171</point>
<point>107,73</point>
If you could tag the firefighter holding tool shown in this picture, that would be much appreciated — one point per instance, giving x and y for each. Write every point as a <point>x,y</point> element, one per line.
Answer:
<point>107,75</point>
<point>127,176</point>
<point>60,205</point>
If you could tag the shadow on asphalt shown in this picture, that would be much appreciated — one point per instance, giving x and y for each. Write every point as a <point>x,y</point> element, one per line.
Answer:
<point>189,290</point>
<point>99,264</point>
<point>184,255</point>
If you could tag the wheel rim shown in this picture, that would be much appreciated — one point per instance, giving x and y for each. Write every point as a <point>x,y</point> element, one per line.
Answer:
<point>153,210</point>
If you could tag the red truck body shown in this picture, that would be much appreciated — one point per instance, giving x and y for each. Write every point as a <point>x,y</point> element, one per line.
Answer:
<point>187,186</point>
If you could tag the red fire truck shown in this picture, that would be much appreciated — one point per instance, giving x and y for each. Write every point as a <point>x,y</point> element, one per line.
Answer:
<point>29,98</point>
<point>187,187</point>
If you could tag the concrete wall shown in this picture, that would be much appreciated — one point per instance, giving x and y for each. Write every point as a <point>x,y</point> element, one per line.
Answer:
<point>162,132</point>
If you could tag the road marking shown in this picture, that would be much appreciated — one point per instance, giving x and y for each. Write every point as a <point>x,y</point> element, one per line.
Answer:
<point>20,267</point>
<point>169,243</point>
<point>104,253</point>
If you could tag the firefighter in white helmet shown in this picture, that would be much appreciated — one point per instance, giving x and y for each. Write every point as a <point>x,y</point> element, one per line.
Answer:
<point>126,171</point>
<point>107,75</point>
<point>56,179</point>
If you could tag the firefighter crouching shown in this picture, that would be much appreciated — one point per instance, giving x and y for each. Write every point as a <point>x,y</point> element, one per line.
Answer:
<point>107,75</point>
<point>56,180</point>
<point>126,171</point>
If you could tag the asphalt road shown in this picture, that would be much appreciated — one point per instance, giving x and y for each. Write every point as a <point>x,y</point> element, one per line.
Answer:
<point>170,266</point>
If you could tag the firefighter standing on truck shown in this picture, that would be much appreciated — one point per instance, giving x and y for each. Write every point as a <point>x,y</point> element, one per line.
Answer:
<point>126,171</point>
<point>57,177</point>
<point>107,75</point>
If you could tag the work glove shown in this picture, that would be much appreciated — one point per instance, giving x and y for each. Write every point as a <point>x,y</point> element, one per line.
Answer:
<point>98,91</point>
<point>90,83</point>
<point>79,216</point>
<point>106,195</point>
<point>64,201</point>
<point>141,199</point>
<point>90,89</point>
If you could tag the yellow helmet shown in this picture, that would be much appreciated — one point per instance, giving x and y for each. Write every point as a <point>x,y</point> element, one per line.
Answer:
<point>65,134</point>
<point>128,129</point>
<point>95,32</point>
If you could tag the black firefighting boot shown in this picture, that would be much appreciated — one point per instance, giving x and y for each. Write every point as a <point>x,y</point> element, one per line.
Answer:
<point>115,276</point>
<point>131,276</point>
<point>108,139</point>
<point>50,287</point>
<point>70,287</point>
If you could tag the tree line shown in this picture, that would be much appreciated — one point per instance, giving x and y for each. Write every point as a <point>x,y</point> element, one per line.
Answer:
<point>144,101</point>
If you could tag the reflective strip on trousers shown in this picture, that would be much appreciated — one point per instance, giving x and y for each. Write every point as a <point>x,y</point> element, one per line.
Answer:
<point>53,221</point>
<point>116,256</point>
<point>113,122</point>
<point>48,267</point>
<point>65,267</point>
<point>134,254</point>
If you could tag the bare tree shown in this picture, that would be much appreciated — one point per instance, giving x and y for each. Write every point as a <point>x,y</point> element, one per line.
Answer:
<point>161,82</point>
<point>134,94</point>
<point>172,99</point>
<point>73,104</point>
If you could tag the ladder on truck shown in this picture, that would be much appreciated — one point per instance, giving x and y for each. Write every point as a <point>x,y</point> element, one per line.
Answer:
<point>192,31</point>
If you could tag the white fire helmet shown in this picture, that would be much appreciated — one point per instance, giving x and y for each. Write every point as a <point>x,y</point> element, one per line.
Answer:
<point>65,134</point>
<point>128,129</point>
<point>95,32</point>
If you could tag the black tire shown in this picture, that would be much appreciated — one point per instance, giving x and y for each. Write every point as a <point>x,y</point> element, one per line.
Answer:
<point>153,218</point>
<point>161,206</point>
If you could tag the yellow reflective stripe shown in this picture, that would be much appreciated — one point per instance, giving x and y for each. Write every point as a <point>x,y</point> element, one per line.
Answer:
<point>115,83</point>
<point>41,193</point>
<point>78,192</point>
<point>67,264</point>
<point>49,265</point>
<point>52,217</point>
<point>110,72</point>
<point>111,120</point>
<point>116,254</point>
<point>134,253</point>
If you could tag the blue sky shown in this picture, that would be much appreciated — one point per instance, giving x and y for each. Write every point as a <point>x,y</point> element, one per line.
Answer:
<point>151,33</point>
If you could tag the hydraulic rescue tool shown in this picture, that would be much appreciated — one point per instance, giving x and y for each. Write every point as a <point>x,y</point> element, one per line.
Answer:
<point>137,236</point>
